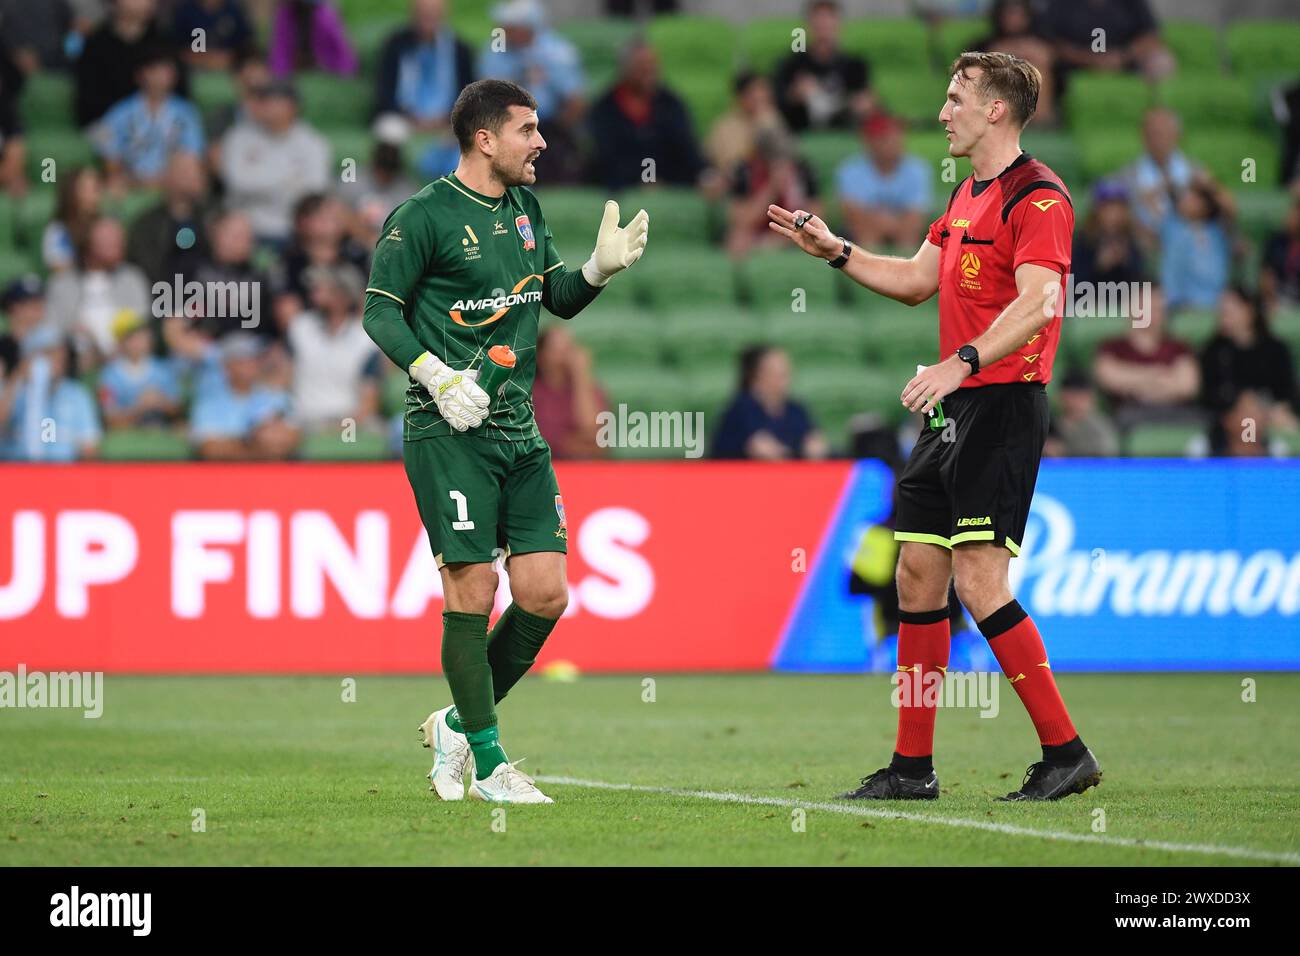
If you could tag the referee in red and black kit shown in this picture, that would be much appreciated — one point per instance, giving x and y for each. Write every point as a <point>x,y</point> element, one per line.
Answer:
<point>998,258</point>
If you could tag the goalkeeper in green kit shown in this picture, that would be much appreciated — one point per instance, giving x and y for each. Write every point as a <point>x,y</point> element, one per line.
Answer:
<point>461,270</point>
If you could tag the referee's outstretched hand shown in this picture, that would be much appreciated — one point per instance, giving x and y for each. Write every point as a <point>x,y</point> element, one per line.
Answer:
<point>813,236</point>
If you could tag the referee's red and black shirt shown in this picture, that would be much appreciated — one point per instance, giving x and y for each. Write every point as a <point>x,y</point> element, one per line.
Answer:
<point>989,230</point>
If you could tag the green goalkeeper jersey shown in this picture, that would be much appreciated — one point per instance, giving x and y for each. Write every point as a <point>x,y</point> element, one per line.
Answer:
<point>455,273</point>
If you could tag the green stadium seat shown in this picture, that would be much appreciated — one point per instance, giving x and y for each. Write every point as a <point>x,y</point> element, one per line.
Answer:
<point>392,392</point>
<point>1225,156</point>
<point>643,386</point>
<point>1264,46</point>
<point>691,43</point>
<point>1059,150</point>
<point>368,38</point>
<point>959,34</point>
<point>357,144</point>
<point>47,100</point>
<point>334,102</point>
<point>15,263</point>
<point>1194,326</point>
<point>1209,101</point>
<point>676,275</point>
<point>824,152</point>
<point>1286,325</point>
<point>67,147</point>
<point>766,41</point>
<point>600,42</point>
<point>710,389</point>
<point>820,336</point>
<point>144,444</point>
<point>8,223</point>
<point>1194,44</point>
<point>129,206</point>
<point>1106,101</point>
<point>677,214</point>
<point>887,42</point>
<point>706,91</point>
<point>840,391</point>
<point>899,336</point>
<point>1080,337</point>
<point>778,279</point>
<point>915,95</point>
<point>619,336</point>
<point>711,338</point>
<point>1107,151</point>
<point>571,211</point>
<point>329,446</point>
<point>1164,440</point>
<point>32,213</point>
<point>210,90</point>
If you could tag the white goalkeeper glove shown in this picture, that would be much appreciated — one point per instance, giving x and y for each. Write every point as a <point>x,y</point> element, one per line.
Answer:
<point>616,247</point>
<point>456,393</point>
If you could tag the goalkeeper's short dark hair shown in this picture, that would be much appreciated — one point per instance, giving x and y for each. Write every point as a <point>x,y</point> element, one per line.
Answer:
<point>485,104</point>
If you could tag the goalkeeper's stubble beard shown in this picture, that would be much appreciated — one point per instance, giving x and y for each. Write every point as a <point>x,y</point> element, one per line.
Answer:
<point>516,171</point>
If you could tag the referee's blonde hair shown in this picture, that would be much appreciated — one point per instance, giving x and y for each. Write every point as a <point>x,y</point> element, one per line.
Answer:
<point>1003,76</point>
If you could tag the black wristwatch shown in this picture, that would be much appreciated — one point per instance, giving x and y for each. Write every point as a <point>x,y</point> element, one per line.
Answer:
<point>843,257</point>
<point>971,356</point>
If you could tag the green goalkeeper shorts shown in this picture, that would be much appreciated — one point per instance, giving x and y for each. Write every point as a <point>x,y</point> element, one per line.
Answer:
<point>481,499</point>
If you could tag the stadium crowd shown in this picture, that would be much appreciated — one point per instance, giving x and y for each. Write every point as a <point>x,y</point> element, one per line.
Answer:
<point>250,197</point>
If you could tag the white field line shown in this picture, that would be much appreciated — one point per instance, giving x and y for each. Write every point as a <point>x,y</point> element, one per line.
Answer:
<point>1006,829</point>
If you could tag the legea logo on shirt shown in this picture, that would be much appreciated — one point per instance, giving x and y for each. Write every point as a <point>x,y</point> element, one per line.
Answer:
<point>501,303</point>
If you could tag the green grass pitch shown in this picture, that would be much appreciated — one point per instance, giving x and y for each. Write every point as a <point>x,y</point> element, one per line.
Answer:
<point>286,772</point>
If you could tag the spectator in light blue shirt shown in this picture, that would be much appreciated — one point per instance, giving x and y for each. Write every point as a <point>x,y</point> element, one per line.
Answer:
<point>548,66</point>
<point>1162,173</point>
<point>135,387</point>
<point>51,416</point>
<point>885,194</point>
<point>139,134</point>
<point>1196,254</point>
<point>241,416</point>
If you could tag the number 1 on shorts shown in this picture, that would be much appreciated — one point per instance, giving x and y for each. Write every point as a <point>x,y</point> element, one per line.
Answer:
<point>462,522</point>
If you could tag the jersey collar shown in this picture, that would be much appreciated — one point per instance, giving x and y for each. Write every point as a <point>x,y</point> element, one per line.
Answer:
<point>491,202</point>
<point>977,186</point>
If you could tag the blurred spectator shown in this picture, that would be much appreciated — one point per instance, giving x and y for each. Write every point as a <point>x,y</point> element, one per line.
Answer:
<point>422,68</point>
<point>1012,23</point>
<point>309,35</point>
<point>1246,428</point>
<point>35,33</point>
<point>320,238</point>
<point>336,367</point>
<point>566,396</point>
<point>774,174</point>
<point>137,388</point>
<point>139,134</point>
<point>236,415</point>
<point>1080,430</point>
<point>1244,355</point>
<point>83,301</point>
<point>763,422</point>
<point>381,186</point>
<point>823,87</point>
<point>639,119</point>
<point>50,415</point>
<point>732,139</point>
<point>1286,110</point>
<point>23,304</point>
<point>106,68</point>
<point>81,192</point>
<point>1147,369</point>
<point>1195,250</point>
<point>1132,36</point>
<point>230,264</point>
<point>1106,248</point>
<point>885,194</point>
<point>13,149</point>
<point>251,75</point>
<point>170,238</point>
<point>225,28</point>
<point>547,65</point>
<point>271,161</point>
<point>1280,270</point>
<point>1162,172</point>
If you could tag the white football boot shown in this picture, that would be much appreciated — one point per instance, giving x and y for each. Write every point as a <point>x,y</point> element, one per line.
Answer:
<point>451,756</point>
<point>507,784</point>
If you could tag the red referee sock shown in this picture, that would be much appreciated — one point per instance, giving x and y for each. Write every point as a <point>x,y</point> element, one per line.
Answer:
<point>1019,649</point>
<point>923,645</point>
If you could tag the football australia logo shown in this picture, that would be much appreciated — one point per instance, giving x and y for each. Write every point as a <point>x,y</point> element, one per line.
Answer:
<point>970,270</point>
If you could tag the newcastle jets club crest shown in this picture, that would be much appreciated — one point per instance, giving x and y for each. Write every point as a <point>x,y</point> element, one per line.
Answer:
<point>526,231</point>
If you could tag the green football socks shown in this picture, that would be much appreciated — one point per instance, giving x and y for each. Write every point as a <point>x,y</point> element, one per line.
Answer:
<point>465,664</point>
<point>513,646</point>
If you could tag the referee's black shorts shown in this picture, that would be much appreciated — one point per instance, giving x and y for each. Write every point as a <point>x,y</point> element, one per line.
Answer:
<point>974,479</point>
